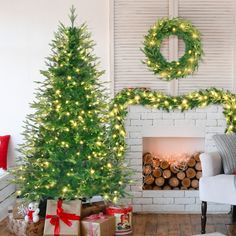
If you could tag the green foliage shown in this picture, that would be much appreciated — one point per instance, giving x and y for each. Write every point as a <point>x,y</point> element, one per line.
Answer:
<point>66,152</point>
<point>188,63</point>
<point>158,100</point>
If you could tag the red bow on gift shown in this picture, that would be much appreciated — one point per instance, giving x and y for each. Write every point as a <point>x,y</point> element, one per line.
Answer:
<point>96,216</point>
<point>61,215</point>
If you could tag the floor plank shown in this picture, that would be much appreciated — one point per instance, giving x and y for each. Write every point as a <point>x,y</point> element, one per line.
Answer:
<point>231,230</point>
<point>170,225</point>
<point>140,225</point>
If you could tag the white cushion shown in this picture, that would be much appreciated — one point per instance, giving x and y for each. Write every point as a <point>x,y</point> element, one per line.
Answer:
<point>219,189</point>
<point>226,145</point>
<point>211,164</point>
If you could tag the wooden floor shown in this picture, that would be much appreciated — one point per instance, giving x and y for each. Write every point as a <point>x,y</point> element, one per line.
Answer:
<point>170,225</point>
<point>180,225</point>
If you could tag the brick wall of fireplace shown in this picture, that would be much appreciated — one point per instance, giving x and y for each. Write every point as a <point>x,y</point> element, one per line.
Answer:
<point>144,122</point>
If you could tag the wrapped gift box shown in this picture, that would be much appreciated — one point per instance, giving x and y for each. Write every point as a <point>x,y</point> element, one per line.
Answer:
<point>19,210</point>
<point>21,228</point>
<point>62,218</point>
<point>92,208</point>
<point>98,225</point>
<point>123,217</point>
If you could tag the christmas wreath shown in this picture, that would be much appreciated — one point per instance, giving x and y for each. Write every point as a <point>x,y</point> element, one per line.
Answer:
<point>188,63</point>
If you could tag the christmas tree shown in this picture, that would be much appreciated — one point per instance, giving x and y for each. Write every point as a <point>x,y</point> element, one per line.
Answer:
<point>66,152</point>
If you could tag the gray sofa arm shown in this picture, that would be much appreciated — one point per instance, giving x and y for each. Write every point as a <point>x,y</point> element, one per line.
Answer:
<point>211,164</point>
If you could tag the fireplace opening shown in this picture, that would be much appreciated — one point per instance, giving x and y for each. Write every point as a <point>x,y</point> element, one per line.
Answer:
<point>172,163</point>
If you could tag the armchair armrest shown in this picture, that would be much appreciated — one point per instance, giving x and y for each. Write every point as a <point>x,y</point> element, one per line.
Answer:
<point>211,164</point>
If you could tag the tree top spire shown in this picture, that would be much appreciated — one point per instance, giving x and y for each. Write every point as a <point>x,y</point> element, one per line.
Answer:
<point>72,15</point>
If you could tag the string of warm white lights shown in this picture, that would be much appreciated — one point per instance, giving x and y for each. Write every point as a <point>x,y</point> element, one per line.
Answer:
<point>159,100</point>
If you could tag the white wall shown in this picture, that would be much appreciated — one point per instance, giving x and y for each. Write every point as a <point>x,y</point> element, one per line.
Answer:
<point>26,29</point>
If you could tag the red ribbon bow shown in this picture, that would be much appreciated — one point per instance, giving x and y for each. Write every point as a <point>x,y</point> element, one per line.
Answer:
<point>61,215</point>
<point>96,216</point>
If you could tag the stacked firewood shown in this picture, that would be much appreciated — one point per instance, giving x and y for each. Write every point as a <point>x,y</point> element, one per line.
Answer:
<point>166,175</point>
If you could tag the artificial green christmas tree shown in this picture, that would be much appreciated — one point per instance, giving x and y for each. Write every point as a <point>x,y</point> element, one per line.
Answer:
<point>66,152</point>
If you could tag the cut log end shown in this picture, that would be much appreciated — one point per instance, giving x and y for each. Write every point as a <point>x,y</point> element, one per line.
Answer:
<point>191,162</point>
<point>190,173</point>
<point>157,188</point>
<point>166,174</point>
<point>147,158</point>
<point>147,187</point>
<point>149,179</point>
<point>198,166</point>
<point>186,182</point>
<point>156,162</point>
<point>147,169</point>
<point>166,187</point>
<point>159,181</point>
<point>173,169</point>
<point>164,164</point>
<point>195,183</point>
<point>157,172</point>
<point>196,156</point>
<point>181,175</point>
<point>173,182</point>
<point>199,174</point>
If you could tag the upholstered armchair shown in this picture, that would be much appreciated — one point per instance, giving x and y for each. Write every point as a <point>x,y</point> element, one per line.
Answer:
<point>215,186</point>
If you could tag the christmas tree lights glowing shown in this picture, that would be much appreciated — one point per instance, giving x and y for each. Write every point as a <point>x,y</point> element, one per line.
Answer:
<point>66,153</point>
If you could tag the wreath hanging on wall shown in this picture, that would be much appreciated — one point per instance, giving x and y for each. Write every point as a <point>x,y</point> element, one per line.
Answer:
<point>188,63</point>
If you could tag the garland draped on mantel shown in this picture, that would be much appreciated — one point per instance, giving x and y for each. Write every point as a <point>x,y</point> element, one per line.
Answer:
<point>159,100</point>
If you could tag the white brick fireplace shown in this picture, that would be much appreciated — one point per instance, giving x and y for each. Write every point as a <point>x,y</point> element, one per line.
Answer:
<point>146,122</point>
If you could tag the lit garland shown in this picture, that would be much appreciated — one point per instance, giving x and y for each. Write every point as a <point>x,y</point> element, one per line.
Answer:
<point>188,63</point>
<point>158,100</point>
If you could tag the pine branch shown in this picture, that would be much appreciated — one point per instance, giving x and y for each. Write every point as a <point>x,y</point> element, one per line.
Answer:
<point>72,15</point>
